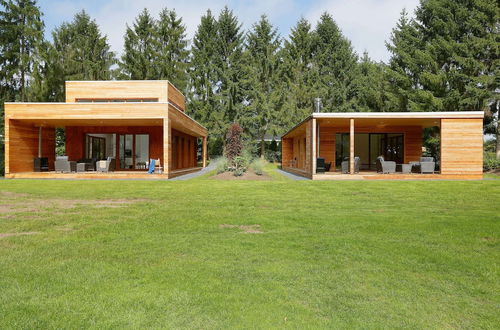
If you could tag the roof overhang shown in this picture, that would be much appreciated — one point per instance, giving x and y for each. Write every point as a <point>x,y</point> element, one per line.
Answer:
<point>382,119</point>
<point>408,115</point>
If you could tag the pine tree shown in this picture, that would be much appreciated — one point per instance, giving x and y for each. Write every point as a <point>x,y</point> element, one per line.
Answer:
<point>261,112</point>
<point>230,73</point>
<point>140,49</point>
<point>373,87</point>
<point>403,66</point>
<point>449,54</point>
<point>298,74</point>
<point>21,34</point>
<point>336,65</point>
<point>172,51</point>
<point>79,52</point>
<point>203,71</point>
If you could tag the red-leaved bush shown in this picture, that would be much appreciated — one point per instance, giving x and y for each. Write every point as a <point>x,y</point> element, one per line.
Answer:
<point>234,145</point>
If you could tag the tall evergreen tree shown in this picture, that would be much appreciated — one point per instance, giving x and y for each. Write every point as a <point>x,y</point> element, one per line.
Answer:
<point>79,52</point>
<point>172,51</point>
<point>373,87</point>
<point>449,54</point>
<point>336,66</point>
<point>297,71</point>
<point>203,70</point>
<point>264,100</point>
<point>230,72</point>
<point>21,34</point>
<point>140,48</point>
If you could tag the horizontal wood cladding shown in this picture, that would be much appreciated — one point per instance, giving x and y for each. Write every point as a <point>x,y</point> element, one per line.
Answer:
<point>85,111</point>
<point>22,141</point>
<point>176,97</point>
<point>461,146</point>
<point>75,138</point>
<point>131,89</point>
<point>182,123</point>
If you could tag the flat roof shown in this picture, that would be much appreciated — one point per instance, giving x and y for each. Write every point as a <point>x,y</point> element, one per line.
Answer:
<point>390,115</point>
<point>443,114</point>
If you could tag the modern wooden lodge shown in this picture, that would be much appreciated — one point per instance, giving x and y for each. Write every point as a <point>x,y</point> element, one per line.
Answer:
<point>129,121</point>
<point>334,138</point>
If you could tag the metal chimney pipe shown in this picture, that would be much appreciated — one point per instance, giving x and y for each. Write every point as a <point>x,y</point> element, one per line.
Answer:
<point>317,104</point>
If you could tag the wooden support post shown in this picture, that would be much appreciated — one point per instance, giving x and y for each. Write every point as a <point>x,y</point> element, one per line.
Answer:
<point>313,147</point>
<point>39,141</point>
<point>7,146</point>
<point>167,146</point>
<point>351,147</point>
<point>204,152</point>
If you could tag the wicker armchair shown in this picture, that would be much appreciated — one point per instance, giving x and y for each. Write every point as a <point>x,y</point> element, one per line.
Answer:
<point>384,166</point>
<point>106,165</point>
<point>63,165</point>
<point>345,165</point>
<point>425,165</point>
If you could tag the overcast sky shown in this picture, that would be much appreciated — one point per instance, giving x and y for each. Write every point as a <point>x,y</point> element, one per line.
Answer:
<point>367,23</point>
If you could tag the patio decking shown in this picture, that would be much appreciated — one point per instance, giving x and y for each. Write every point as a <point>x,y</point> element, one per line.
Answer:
<point>372,175</point>
<point>99,175</point>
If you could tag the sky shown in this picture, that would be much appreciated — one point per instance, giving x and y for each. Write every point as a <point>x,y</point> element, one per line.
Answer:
<point>367,23</point>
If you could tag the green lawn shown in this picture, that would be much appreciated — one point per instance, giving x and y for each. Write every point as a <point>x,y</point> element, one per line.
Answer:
<point>135,254</point>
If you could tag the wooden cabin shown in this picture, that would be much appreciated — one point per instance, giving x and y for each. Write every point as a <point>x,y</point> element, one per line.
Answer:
<point>131,122</point>
<point>335,138</point>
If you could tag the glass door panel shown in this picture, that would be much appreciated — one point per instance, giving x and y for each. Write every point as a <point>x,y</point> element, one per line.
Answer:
<point>141,151</point>
<point>126,151</point>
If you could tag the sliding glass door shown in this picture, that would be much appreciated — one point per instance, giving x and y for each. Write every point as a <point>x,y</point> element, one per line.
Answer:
<point>133,151</point>
<point>368,146</point>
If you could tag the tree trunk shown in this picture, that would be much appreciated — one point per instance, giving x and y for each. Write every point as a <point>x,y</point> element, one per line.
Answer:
<point>262,148</point>
<point>498,136</point>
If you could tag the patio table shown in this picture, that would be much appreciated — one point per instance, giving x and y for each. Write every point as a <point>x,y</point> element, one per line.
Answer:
<point>404,168</point>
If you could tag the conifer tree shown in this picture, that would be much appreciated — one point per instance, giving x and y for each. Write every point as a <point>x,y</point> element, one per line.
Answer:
<point>447,58</point>
<point>140,48</point>
<point>172,49</point>
<point>298,73</point>
<point>21,34</point>
<point>336,66</point>
<point>264,100</point>
<point>230,73</point>
<point>373,86</point>
<point>203,71</point>
<point>79,52</point>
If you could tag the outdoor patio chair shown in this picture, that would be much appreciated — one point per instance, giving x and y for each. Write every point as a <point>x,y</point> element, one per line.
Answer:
<point>158,167</point>
<point>345,165</point>
<point>384,166</point>
<point>320,165</point>
<point>106,165</point>
<point>425,165</point>
<point>63,165</point>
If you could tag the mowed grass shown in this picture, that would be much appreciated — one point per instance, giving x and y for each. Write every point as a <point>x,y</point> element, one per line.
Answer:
<point>136,254</point>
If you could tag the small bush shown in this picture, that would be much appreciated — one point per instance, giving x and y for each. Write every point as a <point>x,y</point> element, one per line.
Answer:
<point>258,166</point>
<point>240,165</point>
<point>221,165</point>
<point>490,162</point>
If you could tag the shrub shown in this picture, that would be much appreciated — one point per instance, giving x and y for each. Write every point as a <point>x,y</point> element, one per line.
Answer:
<point>490,162</point>
<point>221,165</point>
<point>240,165</point>
<point>258,166</point>
<point>234,145</point>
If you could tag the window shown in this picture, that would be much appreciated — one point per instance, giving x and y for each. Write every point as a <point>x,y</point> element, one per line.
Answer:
<point>116,100</point>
